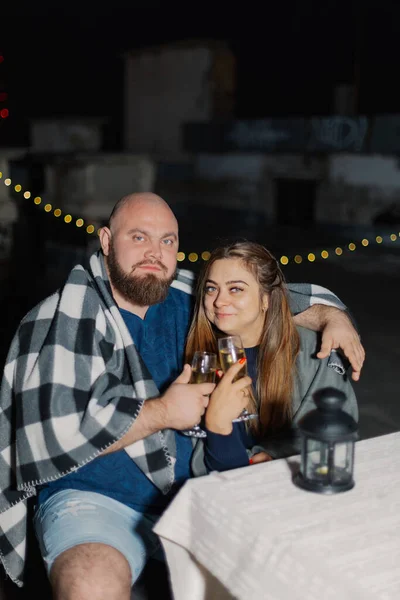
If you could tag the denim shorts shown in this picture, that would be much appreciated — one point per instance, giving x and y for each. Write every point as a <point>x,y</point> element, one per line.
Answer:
<point>72,517</point>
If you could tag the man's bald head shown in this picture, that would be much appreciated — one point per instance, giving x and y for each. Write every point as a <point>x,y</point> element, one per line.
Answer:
<point>140,249</point>
<point>131,202</point>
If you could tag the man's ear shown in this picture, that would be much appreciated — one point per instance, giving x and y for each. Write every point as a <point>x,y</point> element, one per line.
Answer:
<point>105,240</point>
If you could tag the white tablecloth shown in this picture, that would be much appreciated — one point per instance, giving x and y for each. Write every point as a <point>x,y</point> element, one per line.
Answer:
<point>251,534</point>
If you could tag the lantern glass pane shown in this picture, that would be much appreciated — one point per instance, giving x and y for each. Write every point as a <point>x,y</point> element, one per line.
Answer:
<point>343,456</point>
<point>316,455</point>
<point>343,462</point>
<point>328,463</point>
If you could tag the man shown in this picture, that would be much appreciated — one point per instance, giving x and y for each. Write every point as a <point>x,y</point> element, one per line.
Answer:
<point>92,422</point>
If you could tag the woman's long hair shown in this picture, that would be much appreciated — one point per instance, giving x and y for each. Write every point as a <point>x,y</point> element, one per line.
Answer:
<point>279,339</point>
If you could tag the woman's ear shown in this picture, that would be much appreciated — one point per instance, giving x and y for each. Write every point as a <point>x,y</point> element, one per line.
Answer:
<point>265,303</point>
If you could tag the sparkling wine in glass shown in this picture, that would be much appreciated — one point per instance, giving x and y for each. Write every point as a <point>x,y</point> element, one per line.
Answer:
<point>231,350</point>
<point>204,370</point>
<point>204,367</point>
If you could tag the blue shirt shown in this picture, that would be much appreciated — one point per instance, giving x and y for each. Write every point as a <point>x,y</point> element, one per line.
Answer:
<point>160,340</point>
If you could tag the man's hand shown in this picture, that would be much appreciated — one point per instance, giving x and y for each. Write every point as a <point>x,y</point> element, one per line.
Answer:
<point>180,407</point>
<point>337,332</point>
<point>340,333</point>
<point>185,403</point>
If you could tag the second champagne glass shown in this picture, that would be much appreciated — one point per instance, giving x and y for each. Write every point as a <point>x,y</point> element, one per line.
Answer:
<point>230,349</point>
<point>204,369</point>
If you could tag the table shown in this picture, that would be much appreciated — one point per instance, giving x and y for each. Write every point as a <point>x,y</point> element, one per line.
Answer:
<point>250,534</point>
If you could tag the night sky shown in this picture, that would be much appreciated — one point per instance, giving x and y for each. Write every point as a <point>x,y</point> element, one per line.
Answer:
<point>68,60</point>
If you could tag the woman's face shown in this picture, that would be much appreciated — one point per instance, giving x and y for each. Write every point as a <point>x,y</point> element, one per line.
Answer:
<point>232,301</point>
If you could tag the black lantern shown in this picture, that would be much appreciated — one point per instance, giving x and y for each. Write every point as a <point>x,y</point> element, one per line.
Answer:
<point>327,452</point>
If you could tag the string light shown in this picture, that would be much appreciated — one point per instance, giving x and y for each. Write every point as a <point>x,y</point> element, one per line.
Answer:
<point>47,207</point>
<point>192,256</point>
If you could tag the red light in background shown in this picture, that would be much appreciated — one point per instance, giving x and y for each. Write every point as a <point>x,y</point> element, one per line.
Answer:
<point>3,96</point>
<point>4,113</point>
<point>1,58</point>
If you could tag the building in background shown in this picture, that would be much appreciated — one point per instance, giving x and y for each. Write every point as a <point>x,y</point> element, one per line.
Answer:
<point>173,84</point>
<point>334,170</point>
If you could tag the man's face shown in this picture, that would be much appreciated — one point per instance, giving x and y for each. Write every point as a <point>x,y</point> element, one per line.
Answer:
<point>141,252</point>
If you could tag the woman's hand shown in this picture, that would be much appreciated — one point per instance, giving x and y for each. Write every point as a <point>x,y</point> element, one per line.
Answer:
<point>259,458</point>
<point>228,400</point>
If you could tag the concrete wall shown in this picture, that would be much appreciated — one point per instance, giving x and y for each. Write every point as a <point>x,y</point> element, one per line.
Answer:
<point>166,87</point>
<point>89,186</point>
<point>8,208</point>
<point>372,171</point>
<point>249,180</point>
<point>351,189</point>
<point>66,135</point>
<point>8,211</point>
<point>358,189</point>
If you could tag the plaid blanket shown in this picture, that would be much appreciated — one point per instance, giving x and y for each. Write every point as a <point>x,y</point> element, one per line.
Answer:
<point>73,384</point>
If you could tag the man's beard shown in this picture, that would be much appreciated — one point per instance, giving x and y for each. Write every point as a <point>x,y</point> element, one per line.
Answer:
<point>141,291</point>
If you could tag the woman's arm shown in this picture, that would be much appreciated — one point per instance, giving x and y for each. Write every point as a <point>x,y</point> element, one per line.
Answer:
<point>312,375</point>
<point>225,452</point>
<point>225,446</point>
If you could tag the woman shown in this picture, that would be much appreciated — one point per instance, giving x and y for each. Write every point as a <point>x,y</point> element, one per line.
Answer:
<point>242,291</point>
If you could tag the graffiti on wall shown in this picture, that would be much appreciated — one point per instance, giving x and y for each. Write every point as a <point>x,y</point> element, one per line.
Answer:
<point>338,134</point>
<point>264,135</point>
<point>334,133</point>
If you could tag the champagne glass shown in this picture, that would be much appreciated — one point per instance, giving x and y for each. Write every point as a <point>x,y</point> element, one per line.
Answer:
<point>204,369</point>
<point>230,349</point>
